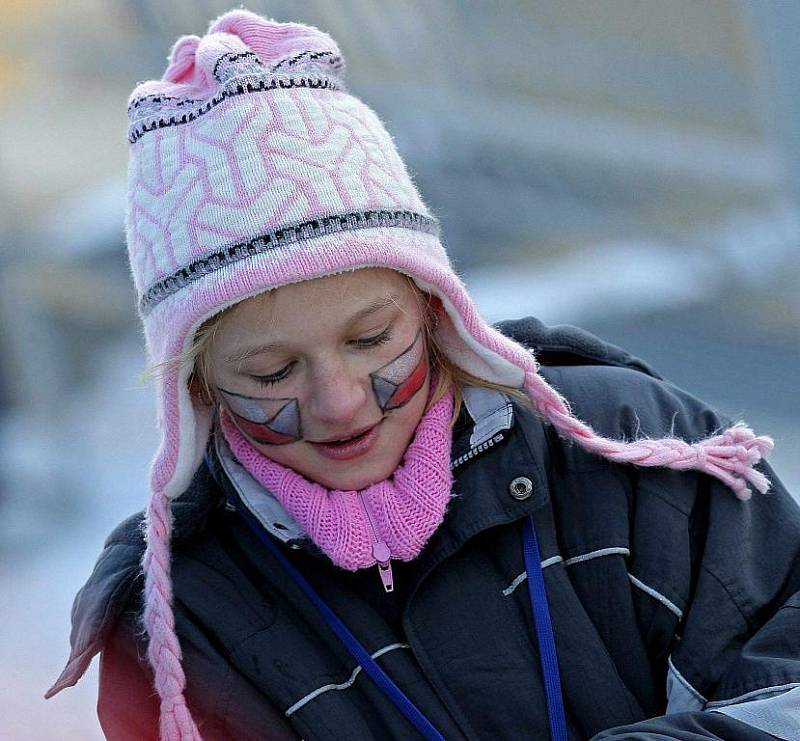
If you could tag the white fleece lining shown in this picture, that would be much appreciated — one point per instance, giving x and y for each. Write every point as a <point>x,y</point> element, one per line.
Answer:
<point>500,369</point>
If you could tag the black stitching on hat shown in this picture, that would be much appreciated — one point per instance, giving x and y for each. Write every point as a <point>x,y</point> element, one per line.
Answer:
<point>333,58</point>
<point>224,256</point>
<point>234,87</point>
<point>233,56</point>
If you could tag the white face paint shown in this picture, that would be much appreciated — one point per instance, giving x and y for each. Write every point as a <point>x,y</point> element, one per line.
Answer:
<point>396,383</point>
<point>267,421</point>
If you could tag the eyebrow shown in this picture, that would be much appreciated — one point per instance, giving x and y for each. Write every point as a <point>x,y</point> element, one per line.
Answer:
<point>371,308</point>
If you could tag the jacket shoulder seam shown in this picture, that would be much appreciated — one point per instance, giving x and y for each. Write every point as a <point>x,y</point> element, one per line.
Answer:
<point>731,597</point>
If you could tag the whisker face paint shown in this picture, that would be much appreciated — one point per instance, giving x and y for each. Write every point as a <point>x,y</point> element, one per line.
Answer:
<point>267,421</point>
<point>398,381</point>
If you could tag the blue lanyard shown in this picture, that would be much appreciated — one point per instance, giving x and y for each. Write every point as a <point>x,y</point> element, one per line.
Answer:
<point>544,631</point>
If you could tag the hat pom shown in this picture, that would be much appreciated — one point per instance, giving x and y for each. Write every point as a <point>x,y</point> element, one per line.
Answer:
<point>181,59</point>
<point>238,45</point>
<point>270,40</point>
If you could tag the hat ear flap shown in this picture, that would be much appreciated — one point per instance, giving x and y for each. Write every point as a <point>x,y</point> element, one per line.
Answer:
<point>185,425</point>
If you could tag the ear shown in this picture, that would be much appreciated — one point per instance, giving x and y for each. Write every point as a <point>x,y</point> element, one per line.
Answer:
<point>435,310</point>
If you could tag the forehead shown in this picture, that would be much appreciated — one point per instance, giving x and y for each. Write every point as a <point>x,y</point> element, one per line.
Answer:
<point>321,303</point>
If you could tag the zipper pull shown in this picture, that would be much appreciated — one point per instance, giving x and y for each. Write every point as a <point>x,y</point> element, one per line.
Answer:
<point>381,552</point>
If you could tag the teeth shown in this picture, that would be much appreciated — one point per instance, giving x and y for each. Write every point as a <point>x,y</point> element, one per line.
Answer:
<point>347,439</point>
<point>339,442</point>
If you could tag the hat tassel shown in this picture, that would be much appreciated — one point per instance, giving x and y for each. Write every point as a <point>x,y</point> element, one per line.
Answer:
<point>164,651</point>
<point>729,456</point>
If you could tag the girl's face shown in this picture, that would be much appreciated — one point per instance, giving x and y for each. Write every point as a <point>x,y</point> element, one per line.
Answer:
<point>329,376</point>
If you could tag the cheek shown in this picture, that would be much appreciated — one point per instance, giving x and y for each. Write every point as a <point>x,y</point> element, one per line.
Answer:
<point>397,382</point>
<point>265,421</point>
<point>296,456</point>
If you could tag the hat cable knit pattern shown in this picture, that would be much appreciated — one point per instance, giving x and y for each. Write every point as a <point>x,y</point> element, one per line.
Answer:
<point>251,167</point>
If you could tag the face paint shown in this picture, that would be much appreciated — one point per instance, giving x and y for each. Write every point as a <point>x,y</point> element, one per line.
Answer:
<point>267,421</point>
<point>396,382</point>
<point>277,421</point>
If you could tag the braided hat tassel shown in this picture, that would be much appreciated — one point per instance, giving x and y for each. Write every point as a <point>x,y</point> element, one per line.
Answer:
<point>729,456</point>
<point>164,651</point>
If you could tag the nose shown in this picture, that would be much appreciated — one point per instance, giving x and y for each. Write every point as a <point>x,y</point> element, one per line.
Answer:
<point>337,398</point>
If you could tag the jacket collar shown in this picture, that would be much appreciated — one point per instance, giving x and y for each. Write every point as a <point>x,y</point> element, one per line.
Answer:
<point>482,487</point>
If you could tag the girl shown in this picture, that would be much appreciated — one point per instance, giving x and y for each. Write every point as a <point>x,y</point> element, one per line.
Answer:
<point>372,515</point>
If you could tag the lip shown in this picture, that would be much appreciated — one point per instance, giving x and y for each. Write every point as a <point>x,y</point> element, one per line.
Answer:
<point>362,443</point>
<point>332,440</point>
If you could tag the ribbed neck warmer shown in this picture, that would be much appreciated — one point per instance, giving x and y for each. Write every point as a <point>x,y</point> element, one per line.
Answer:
<point>393,518</point>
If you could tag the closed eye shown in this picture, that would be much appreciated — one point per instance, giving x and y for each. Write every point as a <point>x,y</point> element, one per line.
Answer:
<point>274,378</point>
<point>375,340</point>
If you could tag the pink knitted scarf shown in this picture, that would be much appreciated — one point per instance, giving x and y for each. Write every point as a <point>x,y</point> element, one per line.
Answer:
<point>393,518</point>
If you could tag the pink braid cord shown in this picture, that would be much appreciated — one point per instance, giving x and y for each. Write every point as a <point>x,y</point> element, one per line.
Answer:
<point>163,650</point>
<point>729,456</point>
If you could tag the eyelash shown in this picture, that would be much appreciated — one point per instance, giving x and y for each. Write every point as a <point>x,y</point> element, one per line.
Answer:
<point>376,340</point>
<point>365,344</point>
<point>274,378</point>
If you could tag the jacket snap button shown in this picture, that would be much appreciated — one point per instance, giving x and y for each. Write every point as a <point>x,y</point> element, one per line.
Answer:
<point>521,488</point>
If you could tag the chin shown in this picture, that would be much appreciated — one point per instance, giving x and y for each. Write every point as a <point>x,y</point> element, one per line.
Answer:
<point>352,482</point>
<point>361,478</point>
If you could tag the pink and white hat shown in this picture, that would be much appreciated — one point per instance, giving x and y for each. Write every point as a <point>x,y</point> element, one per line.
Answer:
<point>252,167</point>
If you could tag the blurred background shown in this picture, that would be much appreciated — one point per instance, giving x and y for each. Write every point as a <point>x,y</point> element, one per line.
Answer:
<point>631,166</point>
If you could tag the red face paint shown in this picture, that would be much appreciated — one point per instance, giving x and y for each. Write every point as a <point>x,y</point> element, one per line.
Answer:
<point>267,421</point>
<point>399,380</point>
<point>277,421</point>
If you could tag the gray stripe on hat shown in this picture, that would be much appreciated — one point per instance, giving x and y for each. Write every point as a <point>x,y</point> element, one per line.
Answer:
<point>290,234</point>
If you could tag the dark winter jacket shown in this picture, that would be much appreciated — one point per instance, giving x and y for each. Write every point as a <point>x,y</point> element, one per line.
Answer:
<point>675,607</point>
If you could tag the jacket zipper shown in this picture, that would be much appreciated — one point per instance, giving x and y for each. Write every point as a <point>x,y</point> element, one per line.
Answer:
<point>472,452</point>
<point>379,549</point>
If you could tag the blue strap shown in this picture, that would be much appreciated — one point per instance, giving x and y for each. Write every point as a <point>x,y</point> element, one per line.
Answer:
<point>357,651</point>
<point>541,617</point>
<point>544,633</point>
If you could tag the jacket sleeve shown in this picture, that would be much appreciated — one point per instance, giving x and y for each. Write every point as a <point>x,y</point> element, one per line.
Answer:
<point>734,669</point>
<point>731,570</point>
<point>690,726</point>
<point>128,705</point>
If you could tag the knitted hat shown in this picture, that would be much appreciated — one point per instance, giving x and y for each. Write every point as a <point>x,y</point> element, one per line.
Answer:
<point>252,167</point>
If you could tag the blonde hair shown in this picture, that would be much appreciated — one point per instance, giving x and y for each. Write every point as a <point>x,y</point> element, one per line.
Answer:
<point>449,375</point>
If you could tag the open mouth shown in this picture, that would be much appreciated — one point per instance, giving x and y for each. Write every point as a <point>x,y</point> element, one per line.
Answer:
<point>346,440</point>
<point>353,446</point>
